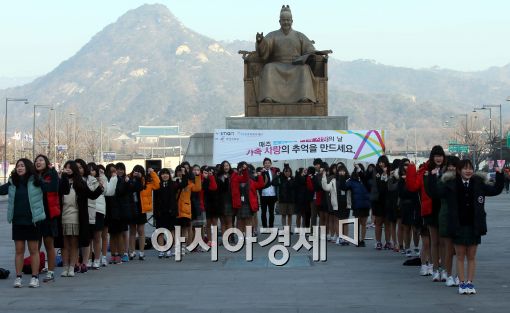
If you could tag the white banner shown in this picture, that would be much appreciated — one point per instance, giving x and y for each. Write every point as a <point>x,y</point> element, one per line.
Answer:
<point>236,145</point>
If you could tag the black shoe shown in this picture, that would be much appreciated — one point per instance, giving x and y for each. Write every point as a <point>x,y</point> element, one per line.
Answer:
<point>361,243</point>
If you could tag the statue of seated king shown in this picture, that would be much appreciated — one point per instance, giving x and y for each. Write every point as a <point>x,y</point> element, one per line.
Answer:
<point>285,75</point>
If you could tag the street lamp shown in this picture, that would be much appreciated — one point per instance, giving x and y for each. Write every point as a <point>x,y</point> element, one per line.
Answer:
<point>489,106</point>
<point>490,118</point>
<point>33,126</point>
<point>54,109</point>
<point>5,132</point>
<point>74,135</point>
<point>108,135</point>
<point>490,124</point>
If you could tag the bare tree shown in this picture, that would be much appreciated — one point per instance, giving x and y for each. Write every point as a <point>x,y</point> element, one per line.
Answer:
<point>90,145</point>
<point>476,138</point>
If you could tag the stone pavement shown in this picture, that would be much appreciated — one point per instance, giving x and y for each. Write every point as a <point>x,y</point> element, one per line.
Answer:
<point>352,280</point>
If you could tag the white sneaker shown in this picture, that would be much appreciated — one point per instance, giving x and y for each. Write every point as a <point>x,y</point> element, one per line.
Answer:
<point>334,238</point>
<point>430,269</point>
<point>89,263</point>
<point>424,270</point>
<point>50,276</point>
<point>17,283</point>
<point>328,237</point>
<point>457,281</point>
<point>96,265</point>
<point>444,276</point>
<point>169,254</point>
<point>337,241</point>
<point>104,261</point>
<point>65,272</point>
<point>70,273</point>
<point>450,282</point>
<point>183,250</point>
<point>470,288</point>
<point>436,276</point>
<point>463,290</point>
<point>416,252</point>
<point>34,282</point>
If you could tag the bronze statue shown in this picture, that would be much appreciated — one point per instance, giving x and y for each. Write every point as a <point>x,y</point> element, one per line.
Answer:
<point>285,78</point>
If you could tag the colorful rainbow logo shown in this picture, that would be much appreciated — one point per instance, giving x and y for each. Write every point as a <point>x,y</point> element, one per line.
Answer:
<point>372,138</point>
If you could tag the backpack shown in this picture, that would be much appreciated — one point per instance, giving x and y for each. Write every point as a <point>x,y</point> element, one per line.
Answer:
<point>4,274</point>
<point>27,267</point>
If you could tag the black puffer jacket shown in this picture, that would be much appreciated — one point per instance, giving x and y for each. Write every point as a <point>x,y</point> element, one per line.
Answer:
<point>286,189</point>
<point>448,188</point>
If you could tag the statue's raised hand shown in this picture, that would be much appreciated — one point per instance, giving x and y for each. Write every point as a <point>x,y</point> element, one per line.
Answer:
<point>259,37</point>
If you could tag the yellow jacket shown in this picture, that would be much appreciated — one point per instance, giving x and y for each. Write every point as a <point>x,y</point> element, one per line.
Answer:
<point>146,193</point>
<point>184,197</point>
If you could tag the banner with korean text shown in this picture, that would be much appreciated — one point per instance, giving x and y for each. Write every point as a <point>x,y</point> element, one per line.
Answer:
<point>236,145</point>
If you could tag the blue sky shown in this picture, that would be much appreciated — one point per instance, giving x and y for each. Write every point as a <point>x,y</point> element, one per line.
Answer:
<point>465,35</point>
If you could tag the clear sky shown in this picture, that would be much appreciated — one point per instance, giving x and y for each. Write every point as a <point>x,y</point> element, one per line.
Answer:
<point>467,35</point>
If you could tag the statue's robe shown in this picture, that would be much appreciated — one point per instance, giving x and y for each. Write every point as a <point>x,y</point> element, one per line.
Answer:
<point>285,78</point>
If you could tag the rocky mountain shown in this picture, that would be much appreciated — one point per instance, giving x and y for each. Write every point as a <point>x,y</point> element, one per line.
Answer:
<point>147,68</point>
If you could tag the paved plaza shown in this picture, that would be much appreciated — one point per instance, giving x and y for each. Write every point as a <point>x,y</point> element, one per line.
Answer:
<point>351,280</point>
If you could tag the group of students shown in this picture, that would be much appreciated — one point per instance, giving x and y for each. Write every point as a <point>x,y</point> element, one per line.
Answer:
<point>75,210</point>
<point>87,207</point>
<point>441,203</point>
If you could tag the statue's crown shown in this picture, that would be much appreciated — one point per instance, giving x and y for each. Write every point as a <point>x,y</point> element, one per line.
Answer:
<point>285,8</point>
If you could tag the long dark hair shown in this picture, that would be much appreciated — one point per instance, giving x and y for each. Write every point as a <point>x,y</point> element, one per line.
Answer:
<point>138,168</point>
<point>221,172</point>
<point>402,167</point>
<point>101,167</point>
<point>333,169</point>
<point>121,166</point>
<point>93,167</point>
<point>370,168</point>
<point>383,159</point>
<point>29,171</point>
<point>287,169</point>
<point>165,171</point>
<point>78,182</point>
<point>83,164</point>
<point>343,168</point>
<point>46,161</point>
<point>108,171</point>
<point>310,170</point>
<point>299,172</point>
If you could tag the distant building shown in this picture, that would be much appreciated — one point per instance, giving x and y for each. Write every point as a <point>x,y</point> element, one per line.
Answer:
<point>161,141</point>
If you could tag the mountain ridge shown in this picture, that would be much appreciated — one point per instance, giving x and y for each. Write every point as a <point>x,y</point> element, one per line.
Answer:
<point>149,68</point>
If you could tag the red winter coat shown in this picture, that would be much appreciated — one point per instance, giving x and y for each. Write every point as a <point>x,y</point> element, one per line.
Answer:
<point>253,186</point>
<point>312,187</point>
<point>49,186</point>
<point>415,182</point>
